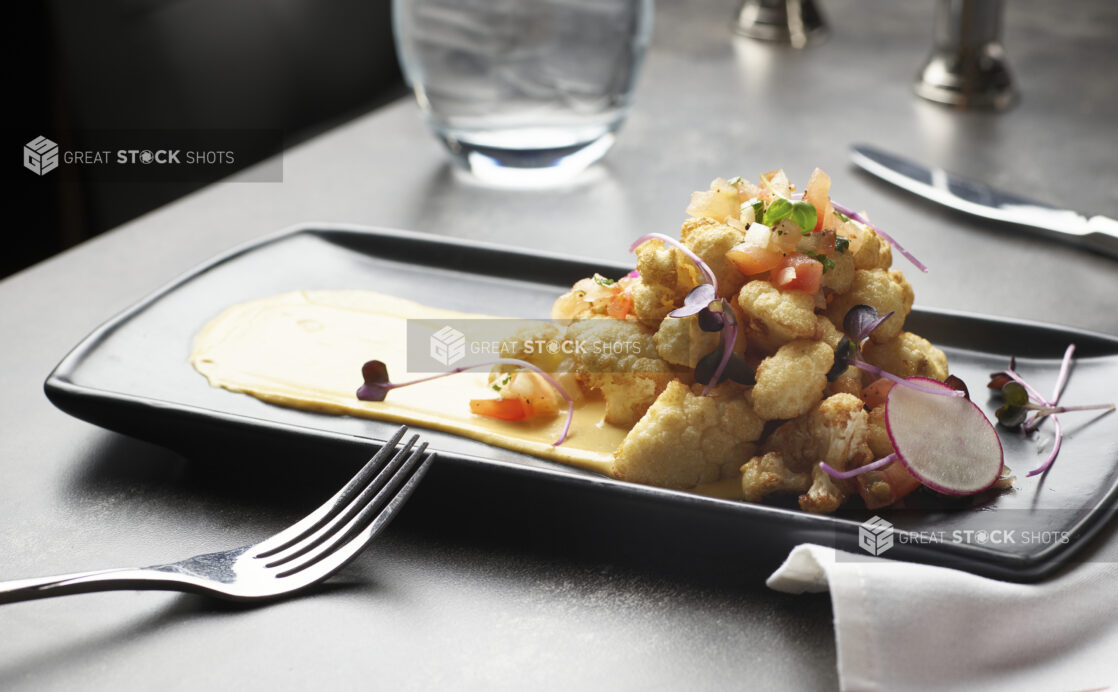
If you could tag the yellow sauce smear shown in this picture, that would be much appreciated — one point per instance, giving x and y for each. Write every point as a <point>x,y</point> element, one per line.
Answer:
<point>305,350</point>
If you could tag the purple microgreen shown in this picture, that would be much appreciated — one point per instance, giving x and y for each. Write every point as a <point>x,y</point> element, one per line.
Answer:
<point>377,385</point>
<point>861,320</point>
<point>1047,410</point>
<point>847,211</point>
<point>635,274</point>
<point>957,383</point>
<point>725,364</point>
<point>845,353</point>
<point>872,466</point>
<point>1012,413</point>
<point>668,240</point>
<point>874,370</point>
<point>1019,398</point>
<point>1058,439</point>
<point>698,299</point>
<point>711,320</point>
<point>1065,369</point>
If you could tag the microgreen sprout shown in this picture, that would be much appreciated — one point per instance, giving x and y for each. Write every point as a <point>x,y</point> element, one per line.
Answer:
<point>872,466</point>
<point>1019,398</point>
<point>700,298</point>
<point>847,213</point>
<point>714,315</point>
<point>377,384</point>
<point>858,323</point>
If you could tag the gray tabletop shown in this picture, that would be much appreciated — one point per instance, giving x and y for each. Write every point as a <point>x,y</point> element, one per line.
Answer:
<point>482,587</point>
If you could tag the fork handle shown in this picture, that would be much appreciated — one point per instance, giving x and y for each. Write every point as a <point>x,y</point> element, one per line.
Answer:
<point>86,582</point>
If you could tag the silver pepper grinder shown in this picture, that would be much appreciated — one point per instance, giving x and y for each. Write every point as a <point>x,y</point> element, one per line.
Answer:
<point>796,22</point>
<point>967,67</point>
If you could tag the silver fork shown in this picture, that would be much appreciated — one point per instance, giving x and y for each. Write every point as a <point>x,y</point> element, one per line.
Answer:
<point>301,555</point>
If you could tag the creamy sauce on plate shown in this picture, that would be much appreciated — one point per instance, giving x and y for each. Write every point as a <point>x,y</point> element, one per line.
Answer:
<point>305,350</point>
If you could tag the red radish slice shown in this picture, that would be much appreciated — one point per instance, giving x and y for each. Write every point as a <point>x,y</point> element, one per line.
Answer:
<point>944,441</point>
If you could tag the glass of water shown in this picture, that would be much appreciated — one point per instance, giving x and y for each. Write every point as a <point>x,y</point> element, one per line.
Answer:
<point>523,91</point>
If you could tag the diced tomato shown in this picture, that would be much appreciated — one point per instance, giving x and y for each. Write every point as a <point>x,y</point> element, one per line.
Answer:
<point>753,259</point>
<point>798,272</point>
<point>513,408</point>
<point>884,487</point>
<point>818,192</point>
<point>620,305</point>
<point>873,395</point>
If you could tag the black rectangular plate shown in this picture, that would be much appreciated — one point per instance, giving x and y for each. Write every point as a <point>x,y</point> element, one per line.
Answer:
<point>132,375</point>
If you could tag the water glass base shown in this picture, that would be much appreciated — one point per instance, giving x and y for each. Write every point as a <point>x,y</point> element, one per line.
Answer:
<point>527,167</point>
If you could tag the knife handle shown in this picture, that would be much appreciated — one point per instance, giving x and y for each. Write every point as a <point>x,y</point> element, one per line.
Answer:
<point>1102,235</point>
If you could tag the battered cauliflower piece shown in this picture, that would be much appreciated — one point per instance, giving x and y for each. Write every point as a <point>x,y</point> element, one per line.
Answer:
<point>710,241</point>
<point>530,343</point>
<point>886,291</point>
<point>908,355</point>
<point>849,382</point>
<point>869,250</point>
<point>829,333</point>
<point>680,341</point>
<point>836,431</point>
<point>878,437</point>
<point>768,474</point>
<point>791,381</point>
<point>685,439</point>
<point>666,276</point>
<point>826,493</point>
<point>619,358</point>
<point>775,317</point>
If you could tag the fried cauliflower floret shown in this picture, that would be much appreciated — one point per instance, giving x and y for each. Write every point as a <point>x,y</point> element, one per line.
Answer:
<point>849,382</point>
<point>828,332</point>
<point>791,381</point>
<point>619,358</point>
<point>836,431</point>
<point>775,317</point>
<point>869,250</point>
<point>680,341</point>
<point>826,493</point>
<point>530,343</point>
<point>665,280</point>
<point>710,241</point>
<point>768,474</point>
<point>878,437</point>
<point>886,291</point>
<point>908,355</point>
<point>685,439</point>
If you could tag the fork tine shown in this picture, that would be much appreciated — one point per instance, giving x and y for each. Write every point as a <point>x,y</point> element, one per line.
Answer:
<point>372,518</point>
<point>346,514</point>
<point>335,505</point>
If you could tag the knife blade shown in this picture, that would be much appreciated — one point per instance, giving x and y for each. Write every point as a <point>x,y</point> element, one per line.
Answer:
<point>1098,233</point>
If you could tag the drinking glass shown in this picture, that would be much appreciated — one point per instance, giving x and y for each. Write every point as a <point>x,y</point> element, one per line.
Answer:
<point>523,91</point>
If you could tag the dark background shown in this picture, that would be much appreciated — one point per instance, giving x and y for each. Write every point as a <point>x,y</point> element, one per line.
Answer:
<point>74,66</point>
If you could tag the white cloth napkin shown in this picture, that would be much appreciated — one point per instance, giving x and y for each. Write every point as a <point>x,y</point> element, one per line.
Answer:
<point>903,626</point>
